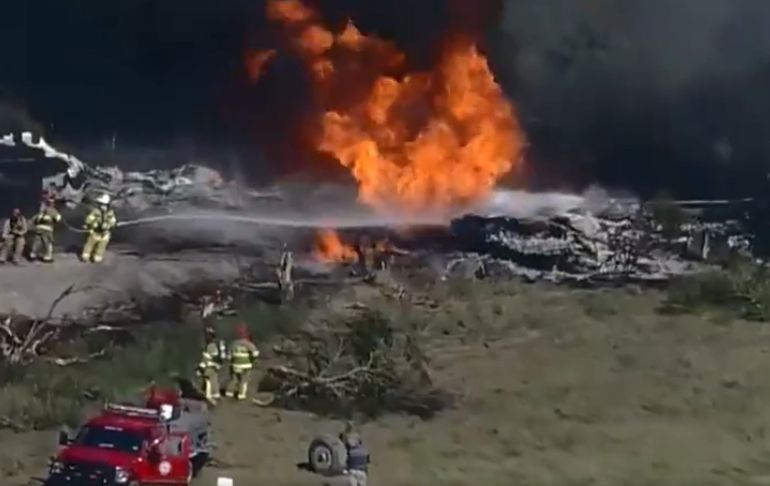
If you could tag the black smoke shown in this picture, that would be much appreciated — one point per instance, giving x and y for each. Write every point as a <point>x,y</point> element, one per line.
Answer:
<point>648,94</point>
<point>639,94</point>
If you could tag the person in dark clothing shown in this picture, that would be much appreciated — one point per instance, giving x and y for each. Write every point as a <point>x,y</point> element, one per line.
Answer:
<point>358,457</point>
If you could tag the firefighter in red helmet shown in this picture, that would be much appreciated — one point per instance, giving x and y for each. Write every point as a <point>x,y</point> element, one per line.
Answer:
<point>243,355</point>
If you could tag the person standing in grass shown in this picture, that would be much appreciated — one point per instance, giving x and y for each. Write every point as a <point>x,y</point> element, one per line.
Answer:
<point>243,355</point>
<point>208,368</point>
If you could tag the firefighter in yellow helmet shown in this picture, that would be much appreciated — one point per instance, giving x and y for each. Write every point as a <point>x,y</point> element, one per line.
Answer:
<point>243,354</point>
<point>42,230</point>
<point>211,361</point>
<point>14,232</point>
<point>100,222</point>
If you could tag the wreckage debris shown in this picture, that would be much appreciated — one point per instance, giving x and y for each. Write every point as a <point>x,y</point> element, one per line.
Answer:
<point>188,185</point>
<point>582,246</point>
<point>572,238</point>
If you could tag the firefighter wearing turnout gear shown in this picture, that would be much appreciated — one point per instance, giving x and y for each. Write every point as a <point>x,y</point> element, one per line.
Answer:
<point>357,467</point>
<point>212,358</point>
<point>14,231</point>
<point>100,222</point>
<point>42,227</point>
<point>243,354</point>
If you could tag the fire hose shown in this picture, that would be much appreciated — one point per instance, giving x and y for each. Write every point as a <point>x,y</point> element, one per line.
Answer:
<point>266,220</point>
<point>199,217</point>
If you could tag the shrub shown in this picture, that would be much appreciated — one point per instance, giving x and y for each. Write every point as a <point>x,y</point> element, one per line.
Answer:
<point>743,289</point>
<point>44,395</point>
<point>263,320</point>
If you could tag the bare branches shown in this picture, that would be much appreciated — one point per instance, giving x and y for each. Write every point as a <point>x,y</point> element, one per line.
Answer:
<point>77,360</point>
<point>367,366</point>
<point>21,342</point>
<point>25,340</point>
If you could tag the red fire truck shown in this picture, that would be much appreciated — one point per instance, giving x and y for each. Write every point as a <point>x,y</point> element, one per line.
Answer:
<point>134,446</point>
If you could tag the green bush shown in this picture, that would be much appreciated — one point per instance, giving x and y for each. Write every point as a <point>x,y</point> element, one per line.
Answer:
<point>714,288</point>
<point>44,395</point>
<point>263,320</point>
<point>742,288</point>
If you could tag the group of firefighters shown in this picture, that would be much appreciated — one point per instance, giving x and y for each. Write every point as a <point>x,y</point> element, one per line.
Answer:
<point>240,355</point>
<point>99,224</point>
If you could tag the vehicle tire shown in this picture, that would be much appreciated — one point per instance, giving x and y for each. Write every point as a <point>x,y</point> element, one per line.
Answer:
<point>327,455</point>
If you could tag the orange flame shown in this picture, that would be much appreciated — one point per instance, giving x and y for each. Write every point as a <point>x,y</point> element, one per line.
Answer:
<point>421,141</point>
<point>330,248</point>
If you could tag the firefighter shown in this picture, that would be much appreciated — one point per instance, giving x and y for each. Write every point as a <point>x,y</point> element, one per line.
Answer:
<point>285,282</point>
<point>14,231</point>
<point>243,354</point>
<point>42,226</point>
<point>100,222</point>
<point>357,467</point>
<point>211,361</point>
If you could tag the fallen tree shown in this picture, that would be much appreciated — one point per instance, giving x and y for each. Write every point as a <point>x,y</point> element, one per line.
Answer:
<point>365,365</point>
<point>24,340</point>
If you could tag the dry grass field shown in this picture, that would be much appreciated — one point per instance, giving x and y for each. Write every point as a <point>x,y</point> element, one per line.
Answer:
<point>558,387</point>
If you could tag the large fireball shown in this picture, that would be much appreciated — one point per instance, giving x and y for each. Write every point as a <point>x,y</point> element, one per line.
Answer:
<point>414,141</point>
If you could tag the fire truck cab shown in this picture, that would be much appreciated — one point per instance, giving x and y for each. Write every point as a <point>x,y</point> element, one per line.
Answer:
<point>127,445</point>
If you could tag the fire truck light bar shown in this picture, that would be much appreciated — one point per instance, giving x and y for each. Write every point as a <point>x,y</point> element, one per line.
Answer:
<point>132,411</point>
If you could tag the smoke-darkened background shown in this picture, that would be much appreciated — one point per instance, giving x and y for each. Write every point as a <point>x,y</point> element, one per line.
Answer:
<point>641,94</point>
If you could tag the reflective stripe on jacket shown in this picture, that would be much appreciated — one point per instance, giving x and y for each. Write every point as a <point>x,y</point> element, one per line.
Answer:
<point>45,219</point>
<point>243,353</point>
<point>101,221</point>
<point>211,357</point>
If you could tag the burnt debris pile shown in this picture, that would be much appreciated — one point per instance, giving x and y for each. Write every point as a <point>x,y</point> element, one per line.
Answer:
<point>635,245</point>
<point>573,240</point>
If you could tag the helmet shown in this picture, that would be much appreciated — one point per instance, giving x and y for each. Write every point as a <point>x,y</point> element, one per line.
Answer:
<point>103,199</point>
<point>242,331</point>
<point>16,212</point>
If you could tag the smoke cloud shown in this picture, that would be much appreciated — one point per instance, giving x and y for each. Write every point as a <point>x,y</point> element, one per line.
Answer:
<point>643,93</point>
<point>640,94</point>
<point>15,118</point>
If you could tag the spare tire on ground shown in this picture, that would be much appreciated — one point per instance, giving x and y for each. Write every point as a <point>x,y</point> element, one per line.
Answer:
<point>327,455</point>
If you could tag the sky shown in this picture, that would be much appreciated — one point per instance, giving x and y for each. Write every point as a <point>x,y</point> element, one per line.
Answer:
<point>644,95</point>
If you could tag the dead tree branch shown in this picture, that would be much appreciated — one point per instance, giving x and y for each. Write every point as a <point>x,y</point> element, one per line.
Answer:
<point>368,366</point>
<point>24,340</point>
<point>77,360</point>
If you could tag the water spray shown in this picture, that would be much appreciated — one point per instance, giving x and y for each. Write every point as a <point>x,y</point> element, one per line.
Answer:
<point>339,223</point>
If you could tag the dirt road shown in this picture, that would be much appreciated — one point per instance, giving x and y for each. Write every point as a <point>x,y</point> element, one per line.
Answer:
<point>30,288</point>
